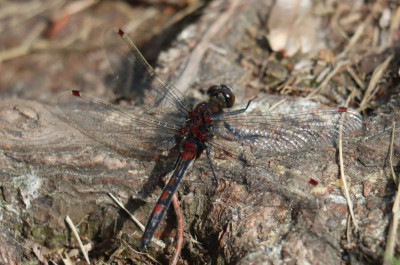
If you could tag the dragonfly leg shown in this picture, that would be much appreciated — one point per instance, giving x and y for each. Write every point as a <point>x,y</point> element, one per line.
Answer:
<point>208,152</point>
<point>236,112</point>
<point>238,135</point>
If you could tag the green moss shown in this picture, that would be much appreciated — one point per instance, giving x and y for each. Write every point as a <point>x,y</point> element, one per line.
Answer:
<point>39,234</point>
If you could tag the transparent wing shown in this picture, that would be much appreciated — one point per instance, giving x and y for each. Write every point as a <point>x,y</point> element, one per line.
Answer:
<point>274,134</point>
<point>127,132</point>
<point>131,69</point>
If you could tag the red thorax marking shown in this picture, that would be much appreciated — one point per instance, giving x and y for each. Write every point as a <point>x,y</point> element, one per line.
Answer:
<point>201,136</point>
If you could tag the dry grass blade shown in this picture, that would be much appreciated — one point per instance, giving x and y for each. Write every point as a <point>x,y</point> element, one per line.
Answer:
<point>78,6</point>
<point>136,221</point>
<point>117,252</point>
<point>391,153</point>
<point>193,63</point>
<point>324,83</point>
<point>394,25</point>
<point>72,226</point>
<point>41,45</point>
<point>392,235</point>
<point>129,247</point>
<point>371,89</point>
<point>39,255</point>
<point>343,177</point>
<point>356,36</point>
<point>66,260</point>
<point>348,229</point>
<point>356,78</point>
<point>20,13</point>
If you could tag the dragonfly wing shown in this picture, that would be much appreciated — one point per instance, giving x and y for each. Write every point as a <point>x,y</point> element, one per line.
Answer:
<point>117,127</point>
<point>131,69</point>
<point>274,134</point>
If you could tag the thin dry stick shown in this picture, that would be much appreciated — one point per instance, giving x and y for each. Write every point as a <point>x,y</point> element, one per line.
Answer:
<point>193,62</point>
<point>338,58</point>
<point>136,221</point>
<point>391,153</point>
<point>356,78</point>
<point>371,89</point>
<point>391,241</point>
<point>46,46</point>
<point>145,254</point>
<point>39,255</point>
<point>343,177</point>
<point>348,229</point>
<point>72,226</point>
<point>66,260</point>
<point>394,26</point>
<point>179,236</point>
<point>356,36</point>
<point>324,83</point>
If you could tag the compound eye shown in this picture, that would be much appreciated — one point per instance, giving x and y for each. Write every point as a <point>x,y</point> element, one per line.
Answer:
<point>228,95</point>
<point>223,94</point>
<point>213,90</point>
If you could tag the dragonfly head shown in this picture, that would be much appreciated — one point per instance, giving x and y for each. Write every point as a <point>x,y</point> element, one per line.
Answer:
<point>222,94</point>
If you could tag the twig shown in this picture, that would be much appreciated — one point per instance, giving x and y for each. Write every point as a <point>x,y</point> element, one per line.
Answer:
<point>60,18</point>
<point>39,255</point>
<point>179,236</point>
<point>75,252</point>
<point>142,253</point>
<point>20,13</point>
<point>116,253</point>
<point>394,26</point>
<point>356,78</point>
<point>66,259</point>
<point>193,63</point>
<point>340,57</point>
<point>391,241</point>
<point>46,46</point>
<point>136,221</point>
<point>371,89</point>
<point>348,229</point>
<point>343,177</point>
<point>328,78</point>
<point>280,102</point>
<point>72,226</point>
<point>391,153</point>
<point>72,8</point>
<point>356,36</point>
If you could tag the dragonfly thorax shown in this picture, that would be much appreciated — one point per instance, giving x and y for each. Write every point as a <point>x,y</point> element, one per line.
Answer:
<point>198,123</point>
<point>197,128</point>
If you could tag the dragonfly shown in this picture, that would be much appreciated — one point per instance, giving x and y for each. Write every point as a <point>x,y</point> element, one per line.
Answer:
<point>168,122</point>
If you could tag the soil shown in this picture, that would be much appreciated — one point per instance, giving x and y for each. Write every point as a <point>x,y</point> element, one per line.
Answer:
<point>289,209</point>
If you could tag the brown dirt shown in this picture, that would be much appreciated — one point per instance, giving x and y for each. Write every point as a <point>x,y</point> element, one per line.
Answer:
<point>49,170</point>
